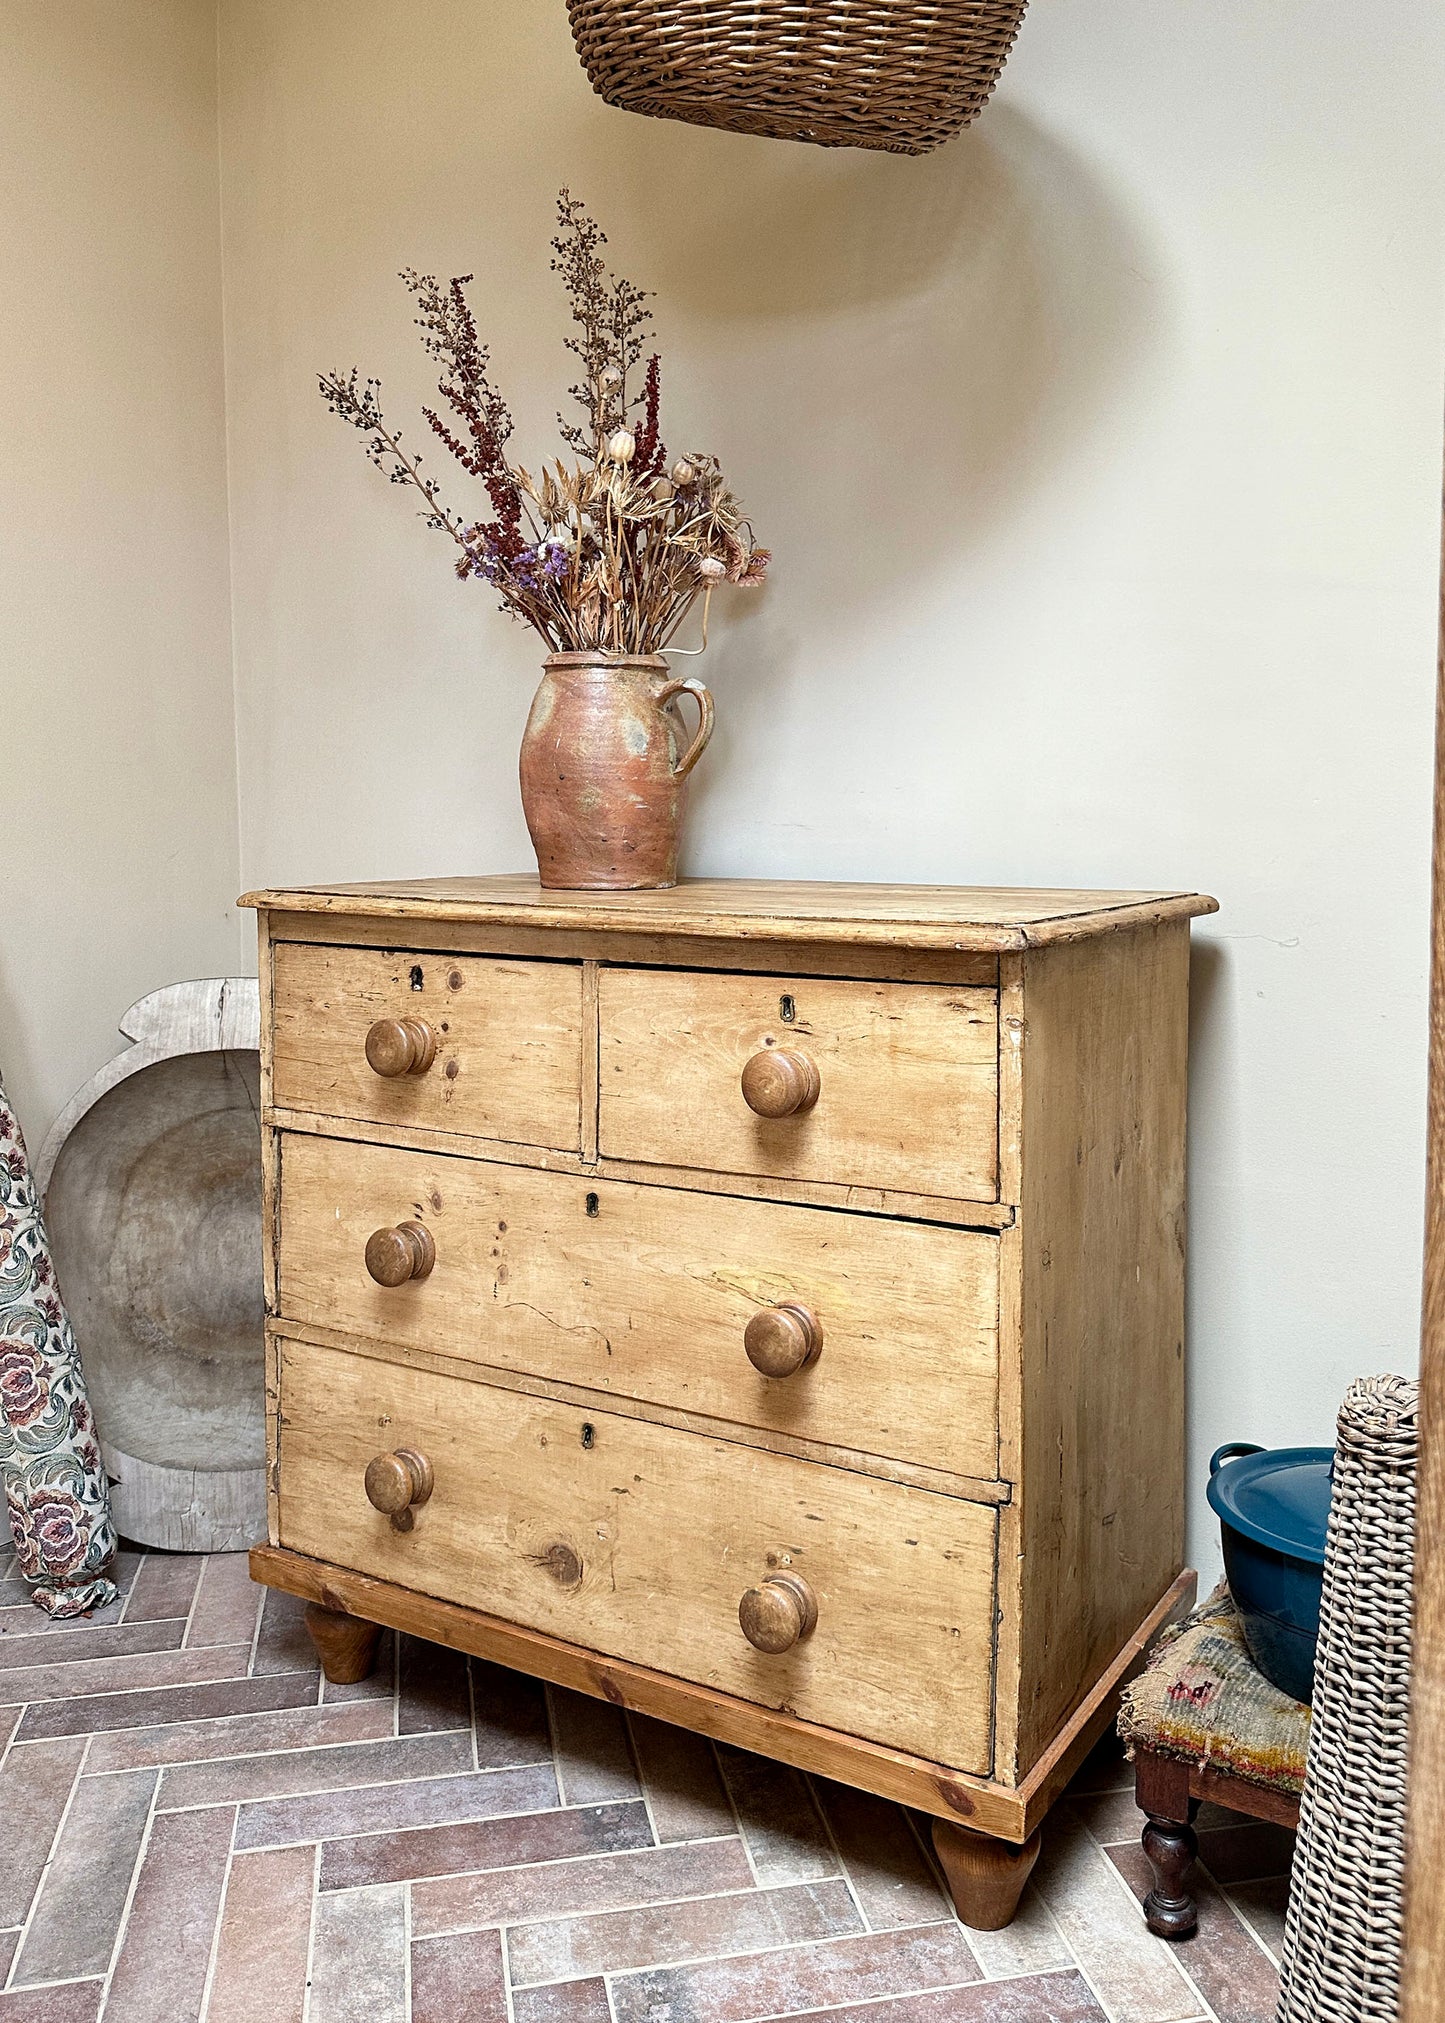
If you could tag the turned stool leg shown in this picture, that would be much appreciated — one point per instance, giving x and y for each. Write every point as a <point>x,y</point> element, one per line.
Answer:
<point>345,1645</point>
<point>985,1877</point>
<point>1161,1792</point>
<point>1169,1909</point>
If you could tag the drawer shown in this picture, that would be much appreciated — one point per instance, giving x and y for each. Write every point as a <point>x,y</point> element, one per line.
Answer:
<point>639,1541</point>
<point>507,1036</point>
<point>906,1078</point>
<point>648,1292</point>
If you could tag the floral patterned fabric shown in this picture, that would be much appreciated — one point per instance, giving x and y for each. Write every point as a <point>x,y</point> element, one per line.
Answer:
<point>55,1487</point>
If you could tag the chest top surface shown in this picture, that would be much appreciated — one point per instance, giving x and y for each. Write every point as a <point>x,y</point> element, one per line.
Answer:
<point>901,916</point>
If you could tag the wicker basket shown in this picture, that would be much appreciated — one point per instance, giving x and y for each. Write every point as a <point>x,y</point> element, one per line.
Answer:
<point>896,74</point>
<point>1344,1925</point>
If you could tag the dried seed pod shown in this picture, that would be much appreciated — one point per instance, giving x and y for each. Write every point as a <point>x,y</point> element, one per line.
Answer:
<point>622,446</point>
<point>610,378</point>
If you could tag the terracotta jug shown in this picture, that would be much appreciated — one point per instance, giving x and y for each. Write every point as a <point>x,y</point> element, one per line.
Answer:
<point>604,772</point>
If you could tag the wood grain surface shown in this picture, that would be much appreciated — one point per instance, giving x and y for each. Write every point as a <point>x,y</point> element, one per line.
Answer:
<point>935,1788</point>
<point>509,1033</point>
<point>961,917</point>
<point>1094,1436</point>
<point>1423,1978</point>
<point>909,1078</point>
<point>648,1291</point>
<point>638,1540</point>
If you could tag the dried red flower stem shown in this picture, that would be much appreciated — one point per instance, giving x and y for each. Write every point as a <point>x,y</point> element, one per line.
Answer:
<point>609,553</point>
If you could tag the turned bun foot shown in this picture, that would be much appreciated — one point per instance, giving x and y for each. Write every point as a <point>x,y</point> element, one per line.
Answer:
<point>345,1645</point>
<point>1170,1911</point>
<point>985,1877</point>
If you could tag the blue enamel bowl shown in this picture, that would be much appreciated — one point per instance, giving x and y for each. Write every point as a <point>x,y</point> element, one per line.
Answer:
<point>1273,1507</point>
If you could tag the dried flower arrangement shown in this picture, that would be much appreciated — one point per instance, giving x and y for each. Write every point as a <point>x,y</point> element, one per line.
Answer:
<point>608,555</point>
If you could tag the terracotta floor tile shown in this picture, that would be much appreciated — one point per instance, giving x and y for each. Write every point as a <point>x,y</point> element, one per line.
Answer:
<point>359,1958</point>
<point>1035,1998</point>
<point>703,1928</point>
<point>1111,1817</point>
<point>165,1704</point>
<point>391,1808</point>
<point>165,1949</point>
<point>1263,1905</point>
<point>586,1883</point>
<point>283,1643</point>
<point>680,1776</point>
<point>1133,1973</point>
<point>882,1859</point>
<point>594,1756</point>
<point>74,2002</point>
<point>19,1617</point>
<point>798,1978</point>
<point>125,1566</point>
<point>227,1603</point>
<point>1210,1814</point>
<point>1246,1851</point>
<point>565,2002</point>
<point>432,1688</point>
<point>262,1949</point>
<point>459,1979</point>
<point>35,1784</point>
<point>164,1586</point>
<point>1226,1963</point>
<point>499,1843</point>
<point>510,1717</point>
<point>780,1823</point>
<point>379,1683</point>
<point>60,1679</point>
<point>293,1727</point>
<point>77,1640</point>
<point>82,1899</point>
<point>287,1773</point>
<point>1032,1944</point>
<point>1105,1768</point>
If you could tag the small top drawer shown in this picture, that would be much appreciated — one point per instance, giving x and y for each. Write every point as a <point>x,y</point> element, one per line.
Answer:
<point>483,1047</point>
<point>880,1085</point>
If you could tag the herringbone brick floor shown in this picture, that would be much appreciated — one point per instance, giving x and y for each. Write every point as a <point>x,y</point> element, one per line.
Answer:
<point>193,1826</point>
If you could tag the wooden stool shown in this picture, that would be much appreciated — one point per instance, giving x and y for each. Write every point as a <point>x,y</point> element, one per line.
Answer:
<point>1202,1723</point>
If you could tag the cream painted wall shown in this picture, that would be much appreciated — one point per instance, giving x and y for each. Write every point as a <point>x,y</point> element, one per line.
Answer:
<point>118,730</point>
<point>1100,452</point>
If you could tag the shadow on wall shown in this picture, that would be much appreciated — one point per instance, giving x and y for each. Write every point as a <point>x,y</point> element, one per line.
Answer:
<point>958,323</point>
<point>924,345</point>
<point>1213,1092</point>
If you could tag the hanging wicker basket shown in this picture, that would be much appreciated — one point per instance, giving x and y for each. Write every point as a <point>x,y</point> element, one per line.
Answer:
<point>902,75</point>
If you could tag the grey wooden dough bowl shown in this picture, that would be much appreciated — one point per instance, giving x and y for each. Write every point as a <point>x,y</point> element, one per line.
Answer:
<point>152,1187</point>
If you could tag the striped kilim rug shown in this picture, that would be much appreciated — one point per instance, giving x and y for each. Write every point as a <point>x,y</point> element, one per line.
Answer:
<point>1202,1700</point>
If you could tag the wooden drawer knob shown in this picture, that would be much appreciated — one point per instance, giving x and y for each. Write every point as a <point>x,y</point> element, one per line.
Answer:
<point>397,1483</point>
<point>780,1083</point>
<point>395,1255</point>
<point>778,1612</point>
<point>401,1047</point>
<point>782,1340</point>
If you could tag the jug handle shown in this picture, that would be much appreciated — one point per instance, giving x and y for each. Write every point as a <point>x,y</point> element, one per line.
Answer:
<point>1230,1452</point>
<point>701,697</point>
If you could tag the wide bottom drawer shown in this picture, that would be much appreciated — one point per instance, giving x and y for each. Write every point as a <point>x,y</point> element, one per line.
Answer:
<point>640,1541</point>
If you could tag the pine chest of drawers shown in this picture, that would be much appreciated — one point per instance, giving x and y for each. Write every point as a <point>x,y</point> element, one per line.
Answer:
<point>761,1305</point>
